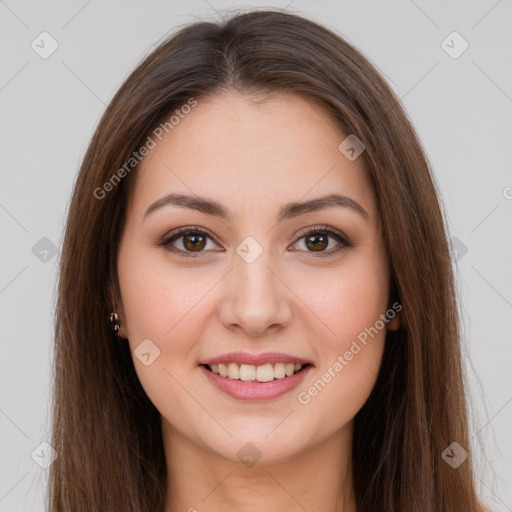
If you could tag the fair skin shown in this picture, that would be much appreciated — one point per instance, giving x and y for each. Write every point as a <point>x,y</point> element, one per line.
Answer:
<point>253,159</point>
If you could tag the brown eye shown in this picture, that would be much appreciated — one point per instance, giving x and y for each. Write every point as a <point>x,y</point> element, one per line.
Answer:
<point>317,242</point>
<point>188,242</point>
<point>193,242</point>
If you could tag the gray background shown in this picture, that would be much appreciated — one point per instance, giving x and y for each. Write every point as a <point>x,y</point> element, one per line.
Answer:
<point>460,107</point>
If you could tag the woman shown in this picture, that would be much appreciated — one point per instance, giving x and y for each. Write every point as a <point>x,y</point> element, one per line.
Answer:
<point>256,303</point>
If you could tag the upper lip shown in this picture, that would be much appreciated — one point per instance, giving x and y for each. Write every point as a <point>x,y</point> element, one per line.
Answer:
<point>256,359</point>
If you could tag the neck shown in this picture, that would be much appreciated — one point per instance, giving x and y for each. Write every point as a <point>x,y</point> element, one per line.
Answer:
<point>319,478</point>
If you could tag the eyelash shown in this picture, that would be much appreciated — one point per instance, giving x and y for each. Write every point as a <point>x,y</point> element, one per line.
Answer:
<point>344,243</point>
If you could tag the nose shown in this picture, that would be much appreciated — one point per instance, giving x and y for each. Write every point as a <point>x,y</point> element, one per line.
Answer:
<point>256,298</point>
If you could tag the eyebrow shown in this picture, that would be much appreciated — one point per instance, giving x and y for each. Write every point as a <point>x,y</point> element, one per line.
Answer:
<point>287,211</point>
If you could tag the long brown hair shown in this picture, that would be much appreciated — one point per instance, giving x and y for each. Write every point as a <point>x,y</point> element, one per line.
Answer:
<point>105,429</point>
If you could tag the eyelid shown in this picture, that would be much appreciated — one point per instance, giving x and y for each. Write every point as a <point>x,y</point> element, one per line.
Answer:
<point>186,230</point>
<point>322,228</point>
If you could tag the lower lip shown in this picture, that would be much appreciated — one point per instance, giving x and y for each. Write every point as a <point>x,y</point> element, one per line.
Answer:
<point>256,391</point>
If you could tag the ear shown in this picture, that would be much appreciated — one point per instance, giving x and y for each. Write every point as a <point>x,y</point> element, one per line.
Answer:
<point>394,323</point>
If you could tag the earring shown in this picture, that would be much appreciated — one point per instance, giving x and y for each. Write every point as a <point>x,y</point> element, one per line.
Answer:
<point>114,323</point>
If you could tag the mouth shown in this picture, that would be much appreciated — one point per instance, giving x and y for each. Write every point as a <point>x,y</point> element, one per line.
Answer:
<point>253,373</point>
<point>255,377</point>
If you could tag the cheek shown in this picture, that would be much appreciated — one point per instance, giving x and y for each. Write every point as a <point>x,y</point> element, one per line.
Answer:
<point>350,303</point>
<point>165,305</point>
<point>162,305</point>
<point>350,298</point>
<point>160,299</point>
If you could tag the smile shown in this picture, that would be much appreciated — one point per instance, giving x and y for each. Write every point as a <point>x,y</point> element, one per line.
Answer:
<point>272,387</point>
<point>252,373</point>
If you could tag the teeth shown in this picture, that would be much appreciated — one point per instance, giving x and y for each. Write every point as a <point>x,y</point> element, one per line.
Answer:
<point>248,372</point>
<point>233,371</point>
<point>279,370</point>
<point>265,373</point>
<point>223,370</point>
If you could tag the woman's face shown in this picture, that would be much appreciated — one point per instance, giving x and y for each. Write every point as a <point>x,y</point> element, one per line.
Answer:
<point>254,281</point>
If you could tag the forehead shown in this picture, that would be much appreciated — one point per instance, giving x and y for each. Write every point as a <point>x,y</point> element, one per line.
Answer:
<point>247,152</point>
